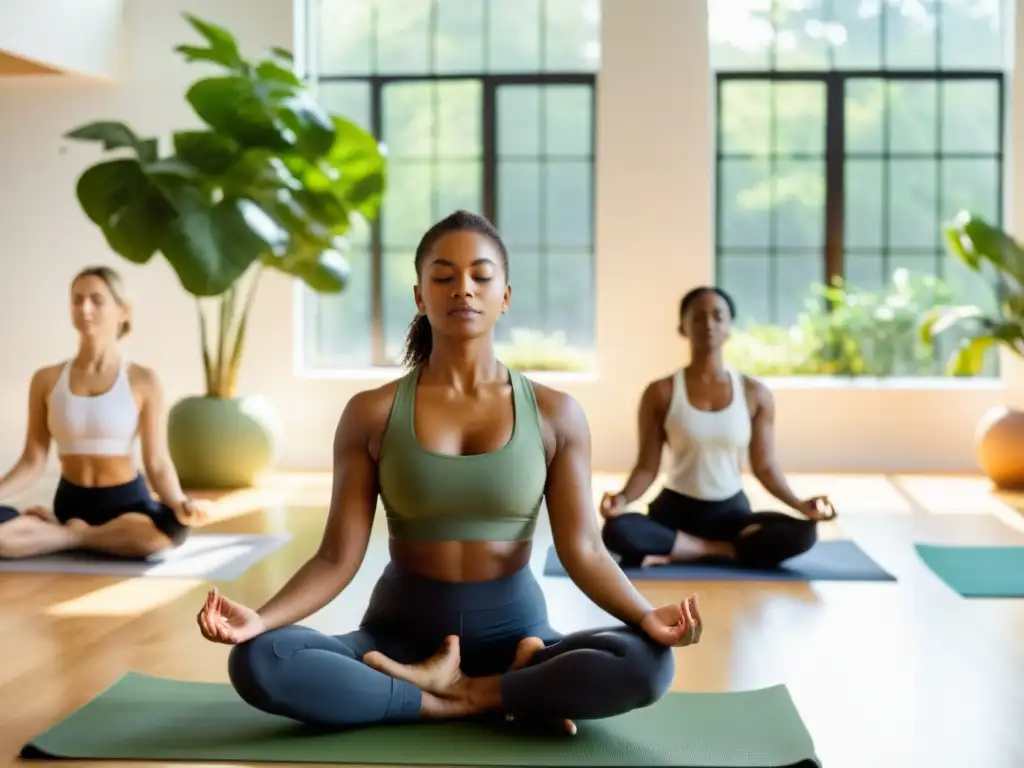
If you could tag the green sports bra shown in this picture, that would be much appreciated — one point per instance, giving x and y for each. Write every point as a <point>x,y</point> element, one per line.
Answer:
<point>492,496</point>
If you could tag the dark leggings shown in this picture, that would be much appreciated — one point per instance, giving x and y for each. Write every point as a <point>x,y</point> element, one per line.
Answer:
<point>100,505</point>
<point>320,680</point>
<point>778,537</point>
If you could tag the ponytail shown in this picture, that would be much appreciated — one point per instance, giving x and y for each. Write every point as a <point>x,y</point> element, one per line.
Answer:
<point>418,342</point>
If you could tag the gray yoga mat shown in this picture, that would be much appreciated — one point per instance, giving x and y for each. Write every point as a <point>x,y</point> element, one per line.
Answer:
<point>219,556</point>
<point>150,718</point>
<point>840,560</point>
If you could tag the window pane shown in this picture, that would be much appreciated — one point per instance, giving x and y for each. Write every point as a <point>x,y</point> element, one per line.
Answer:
<point>569,296</point>
<point>740,33</point>
<point>348,100</point>
<point>856,33</point>
<point>459,119</point>
<point>572,39</point>
<point>799,203</point>
<point>970,116</point>
<point>799,118</point>
<point>864,184</point>
<point>913,117</point>
<point>408,203</point>
<point>971,185</point>
<point>519,198</point>
<point>913,205</point>
<point>568,120</point>
<point>398,306</point>
<point>518,120</point>
<point>409,122</point>
<point>459,37</point>
<point>910,34</point>
<point>513,36</point>
<point>527,306</point>
<point>344,31</point>
<point>745,200</point>
<point>403,36</point>
<point>800,34</point>
<point>568,204</point>
<point>745,115</point>
<point>972,35</point>
<point>747,279</point>
<point>865,271</point>
<point>337,331</point>
<point>794,277</point>
<point>458,186</point>
<point>864,115</point>
<point>922,264</point>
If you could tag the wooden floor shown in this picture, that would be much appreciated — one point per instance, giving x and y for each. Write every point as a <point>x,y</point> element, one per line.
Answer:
<point>884,674</point>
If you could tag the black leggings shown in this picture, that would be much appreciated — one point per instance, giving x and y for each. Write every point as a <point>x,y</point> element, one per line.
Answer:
<point>100,505</point>
<point>321,680</point>
<point>632,536</point>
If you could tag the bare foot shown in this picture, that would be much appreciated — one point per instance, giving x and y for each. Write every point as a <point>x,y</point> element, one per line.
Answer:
<point>40,512</point>
<point>525,651</point>
<point>650,560</point>
<point>439,675</point>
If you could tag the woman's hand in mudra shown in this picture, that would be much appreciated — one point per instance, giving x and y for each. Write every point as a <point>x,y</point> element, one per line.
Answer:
<point>674,625</point>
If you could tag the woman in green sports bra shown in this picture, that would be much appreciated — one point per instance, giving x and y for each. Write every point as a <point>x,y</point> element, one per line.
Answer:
<point>462,452</point>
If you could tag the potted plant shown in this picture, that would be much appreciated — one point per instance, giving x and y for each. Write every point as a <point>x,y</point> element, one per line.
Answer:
<point>983,247</point>
<point>271,181</point>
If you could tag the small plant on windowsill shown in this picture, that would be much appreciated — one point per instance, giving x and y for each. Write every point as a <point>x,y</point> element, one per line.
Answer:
<point>272,181</point>
<point>986,249</point>
<point>532,351</point>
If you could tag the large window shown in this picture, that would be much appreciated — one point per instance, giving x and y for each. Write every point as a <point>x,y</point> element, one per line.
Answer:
<point>486,105</point>
<point>848,133</point>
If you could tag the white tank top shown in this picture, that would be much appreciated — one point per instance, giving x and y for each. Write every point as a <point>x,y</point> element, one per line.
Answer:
<point>706,447</point>
<point>104,425</point>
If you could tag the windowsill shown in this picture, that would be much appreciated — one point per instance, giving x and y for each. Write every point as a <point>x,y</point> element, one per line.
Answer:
<point>902,383</point>
<point>389,373</point>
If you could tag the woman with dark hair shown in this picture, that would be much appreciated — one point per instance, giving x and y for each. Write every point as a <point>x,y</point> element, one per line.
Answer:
<point>708,415</point>
<point>462,452</point>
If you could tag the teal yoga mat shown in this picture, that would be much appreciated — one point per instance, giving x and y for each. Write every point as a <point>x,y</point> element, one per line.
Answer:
<point>977,571</point>
<point>150,718</point>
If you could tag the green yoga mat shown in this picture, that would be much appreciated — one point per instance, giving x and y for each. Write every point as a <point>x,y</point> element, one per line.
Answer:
<point>977,571</point>
<point>150,718</point>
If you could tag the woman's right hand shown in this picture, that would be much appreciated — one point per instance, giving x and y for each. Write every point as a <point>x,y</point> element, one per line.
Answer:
<point>612,504</point>
<point>224,621</point>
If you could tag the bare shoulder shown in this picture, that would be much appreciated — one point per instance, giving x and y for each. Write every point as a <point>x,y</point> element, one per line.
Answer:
<point>757,392</point>
<point>562,416</point>
<point>143,377</point>
<point>365,417</point>
<point>46,377</point>
<point>659,392</point>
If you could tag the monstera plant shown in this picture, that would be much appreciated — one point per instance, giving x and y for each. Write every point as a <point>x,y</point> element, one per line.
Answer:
<point>271,180</point>
<point>990,251</point>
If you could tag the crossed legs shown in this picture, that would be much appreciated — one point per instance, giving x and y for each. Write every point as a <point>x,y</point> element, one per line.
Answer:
<point>130,535</point>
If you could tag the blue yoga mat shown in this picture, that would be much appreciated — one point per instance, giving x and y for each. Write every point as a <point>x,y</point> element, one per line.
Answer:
<point>977,571</point>
<point>827,561</point>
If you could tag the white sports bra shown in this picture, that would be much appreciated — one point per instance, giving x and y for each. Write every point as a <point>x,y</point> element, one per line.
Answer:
<point>101,425</point>
<point>706,447</point>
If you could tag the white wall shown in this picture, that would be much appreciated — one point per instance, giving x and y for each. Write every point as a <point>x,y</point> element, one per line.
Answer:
<point>79,37</point>
<point>654,235</point>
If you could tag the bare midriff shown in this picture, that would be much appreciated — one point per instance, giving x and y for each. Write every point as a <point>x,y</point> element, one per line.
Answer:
<point>461,561</point>
<point>98,471</point>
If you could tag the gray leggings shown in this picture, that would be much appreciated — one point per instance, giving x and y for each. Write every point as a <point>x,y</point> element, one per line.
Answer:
<point>320,680</point>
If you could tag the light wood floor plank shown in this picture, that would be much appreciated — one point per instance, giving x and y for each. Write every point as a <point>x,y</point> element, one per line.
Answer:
<point>903,674</point>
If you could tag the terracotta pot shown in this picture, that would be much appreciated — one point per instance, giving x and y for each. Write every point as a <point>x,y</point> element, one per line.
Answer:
<point>999,442</point>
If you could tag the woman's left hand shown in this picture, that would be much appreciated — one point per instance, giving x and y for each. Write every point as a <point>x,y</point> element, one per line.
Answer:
<point>817,508</point>
<point>189,513</point>
<point>674,625</point>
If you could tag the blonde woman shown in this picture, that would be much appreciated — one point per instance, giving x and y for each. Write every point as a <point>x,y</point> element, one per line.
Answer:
<point>92,407</point>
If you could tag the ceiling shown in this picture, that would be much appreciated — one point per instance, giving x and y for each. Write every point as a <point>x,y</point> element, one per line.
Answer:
<point>11,65</point>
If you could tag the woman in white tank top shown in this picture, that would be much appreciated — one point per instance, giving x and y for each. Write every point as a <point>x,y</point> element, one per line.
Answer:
<point>706,417</point>
<point>92,407</point>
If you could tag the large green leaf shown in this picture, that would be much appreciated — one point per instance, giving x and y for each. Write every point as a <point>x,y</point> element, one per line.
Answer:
<point>325,272</point>
<point>941,319</point>
<point>969,357</point>
<point>264,113</point>
<point>211,246</point>
<point>127,205</point>
<point>211,153</point>
<point>113,134</point>
<point>355,170</point>
<point>222,49</point>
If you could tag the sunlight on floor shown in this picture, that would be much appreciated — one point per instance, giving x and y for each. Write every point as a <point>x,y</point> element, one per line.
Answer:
<point>958,495</point>
<point>132,597</point>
